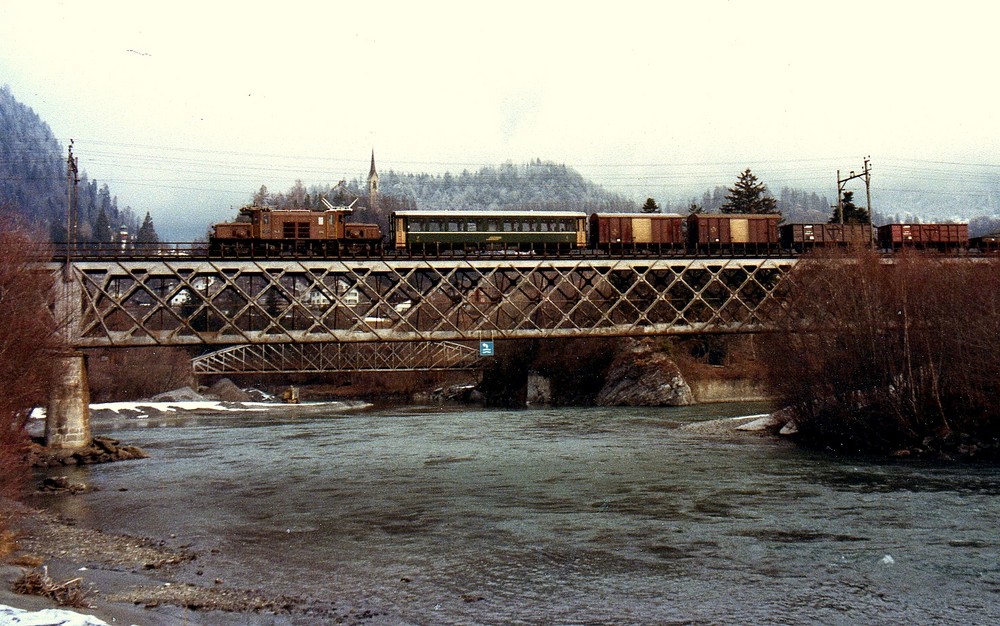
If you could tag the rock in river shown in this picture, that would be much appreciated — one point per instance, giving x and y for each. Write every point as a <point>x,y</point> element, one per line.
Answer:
<point>641,375</point>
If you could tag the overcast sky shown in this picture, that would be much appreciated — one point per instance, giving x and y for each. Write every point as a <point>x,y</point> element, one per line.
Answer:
<point>186,108</point>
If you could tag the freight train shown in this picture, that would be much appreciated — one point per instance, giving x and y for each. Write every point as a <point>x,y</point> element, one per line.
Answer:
<point>263,232</point>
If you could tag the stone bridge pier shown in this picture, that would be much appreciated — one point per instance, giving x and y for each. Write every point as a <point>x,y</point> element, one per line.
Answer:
<point>67,423</point>
<point>67,420</point>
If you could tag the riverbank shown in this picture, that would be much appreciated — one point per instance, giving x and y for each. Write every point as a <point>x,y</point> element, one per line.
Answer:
<point>135,580</point>
<point>139,580</point>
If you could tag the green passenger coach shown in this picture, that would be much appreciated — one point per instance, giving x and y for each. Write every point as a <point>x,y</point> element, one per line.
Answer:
<point>442,231</point>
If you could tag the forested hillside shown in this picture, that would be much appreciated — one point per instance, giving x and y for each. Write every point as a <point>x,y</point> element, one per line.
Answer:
<point>538,185</point>
<point>33,179</point>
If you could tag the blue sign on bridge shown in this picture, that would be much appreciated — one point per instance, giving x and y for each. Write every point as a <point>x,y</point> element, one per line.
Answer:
<point>485,348</point>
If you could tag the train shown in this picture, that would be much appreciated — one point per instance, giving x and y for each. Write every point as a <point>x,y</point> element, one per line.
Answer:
<point>266,232</point>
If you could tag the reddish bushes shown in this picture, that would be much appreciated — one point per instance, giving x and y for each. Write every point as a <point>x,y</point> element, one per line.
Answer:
<point>27,341</point>
<point>881,356</point>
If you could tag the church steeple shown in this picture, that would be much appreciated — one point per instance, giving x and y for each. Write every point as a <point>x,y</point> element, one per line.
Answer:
<point>373,184</point>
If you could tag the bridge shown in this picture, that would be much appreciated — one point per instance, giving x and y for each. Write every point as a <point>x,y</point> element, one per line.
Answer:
<point>189,301</point>
<point>182,301</point>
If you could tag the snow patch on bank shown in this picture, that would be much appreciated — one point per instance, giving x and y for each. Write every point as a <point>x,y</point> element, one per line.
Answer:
<point>144,408</point>
<point>46,617</point>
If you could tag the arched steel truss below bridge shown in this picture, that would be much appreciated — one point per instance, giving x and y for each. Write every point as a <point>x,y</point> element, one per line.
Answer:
<point>339,357</point>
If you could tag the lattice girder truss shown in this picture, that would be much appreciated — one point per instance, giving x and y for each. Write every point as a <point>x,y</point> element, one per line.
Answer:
<point>307,358</point>
<point>134,303</point>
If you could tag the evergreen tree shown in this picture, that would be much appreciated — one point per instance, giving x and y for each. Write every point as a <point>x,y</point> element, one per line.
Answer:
<point>147,233</point>
<point>102,227</point>
<point>749,196</point>
<point>650,206</point>
<point>852,214</point>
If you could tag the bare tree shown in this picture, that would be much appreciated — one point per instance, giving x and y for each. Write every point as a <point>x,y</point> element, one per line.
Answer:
<point>27,342</point>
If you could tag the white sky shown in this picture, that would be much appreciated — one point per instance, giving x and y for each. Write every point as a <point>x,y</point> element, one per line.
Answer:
<point>185,108</point>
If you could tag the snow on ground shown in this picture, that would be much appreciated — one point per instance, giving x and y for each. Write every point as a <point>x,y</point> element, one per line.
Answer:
<point>46,617</point>
<point>143,407</point>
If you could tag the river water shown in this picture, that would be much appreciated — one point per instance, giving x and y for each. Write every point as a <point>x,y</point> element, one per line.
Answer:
<point>568,516</point>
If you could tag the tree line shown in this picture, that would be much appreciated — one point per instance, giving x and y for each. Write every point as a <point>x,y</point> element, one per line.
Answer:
<point>33,182</point>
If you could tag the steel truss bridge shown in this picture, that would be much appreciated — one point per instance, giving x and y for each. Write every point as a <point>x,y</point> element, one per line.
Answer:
<point>308,358</point>
<point>188,301</point>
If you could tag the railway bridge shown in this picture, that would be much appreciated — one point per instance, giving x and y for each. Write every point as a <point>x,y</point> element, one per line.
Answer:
<point>177,301</point>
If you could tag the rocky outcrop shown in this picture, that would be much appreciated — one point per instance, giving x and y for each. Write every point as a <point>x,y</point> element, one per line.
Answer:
<point>642,375</point>
<point>100,450</point>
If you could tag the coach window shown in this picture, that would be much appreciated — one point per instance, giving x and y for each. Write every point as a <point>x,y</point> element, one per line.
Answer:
<point>508,227</point>
<point>471,227</point>
<point>492,226</point>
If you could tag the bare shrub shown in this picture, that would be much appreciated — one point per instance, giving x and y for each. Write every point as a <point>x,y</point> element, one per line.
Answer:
<point>27,343</point>
<point>880,355</point>
<point>119,374</point>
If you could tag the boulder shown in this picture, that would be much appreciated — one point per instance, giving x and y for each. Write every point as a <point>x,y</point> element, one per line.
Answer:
<point>184,394</point>
<point>227,391</point>
<point>642,375</point>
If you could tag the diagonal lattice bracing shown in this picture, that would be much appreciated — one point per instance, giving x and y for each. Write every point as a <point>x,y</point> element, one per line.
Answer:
<point>273,358</point>
<point>132,303</point>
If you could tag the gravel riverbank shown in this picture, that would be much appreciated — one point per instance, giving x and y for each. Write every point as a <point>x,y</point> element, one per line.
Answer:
<point>134,580</point>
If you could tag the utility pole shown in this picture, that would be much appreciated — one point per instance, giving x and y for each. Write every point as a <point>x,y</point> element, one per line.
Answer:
<point>866,174</point>
<point>72,179</point>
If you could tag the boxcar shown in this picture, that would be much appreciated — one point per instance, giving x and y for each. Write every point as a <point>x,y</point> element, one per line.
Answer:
<point>444,231</point>
<point>736,231</point>
<point>923,236</point>
<point>640,231</point>
<point>802,237</point>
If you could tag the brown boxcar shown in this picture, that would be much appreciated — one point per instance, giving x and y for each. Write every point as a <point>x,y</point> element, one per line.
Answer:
<point>733,230</point>
<point>636,230</point>
<point>936,236</point>
<point>805,236</point>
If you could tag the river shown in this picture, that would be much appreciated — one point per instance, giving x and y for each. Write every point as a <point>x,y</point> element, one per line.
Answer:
<point>567,516</point>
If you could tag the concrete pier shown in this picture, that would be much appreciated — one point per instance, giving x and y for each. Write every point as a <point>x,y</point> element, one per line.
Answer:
<point>67,424</point>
